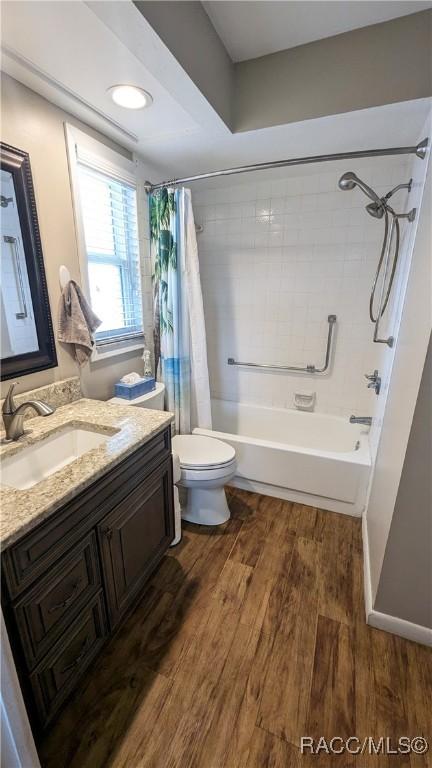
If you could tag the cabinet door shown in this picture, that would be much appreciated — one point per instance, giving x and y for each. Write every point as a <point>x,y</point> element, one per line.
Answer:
<point>133,538</point>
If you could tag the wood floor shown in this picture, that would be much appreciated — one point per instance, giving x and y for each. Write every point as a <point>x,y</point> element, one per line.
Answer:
<point>250,636</point>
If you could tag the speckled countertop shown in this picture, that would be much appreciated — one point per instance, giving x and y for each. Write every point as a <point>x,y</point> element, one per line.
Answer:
<point>128,428</point>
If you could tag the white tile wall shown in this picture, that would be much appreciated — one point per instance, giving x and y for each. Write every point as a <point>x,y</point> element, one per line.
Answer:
<point>277,256</point>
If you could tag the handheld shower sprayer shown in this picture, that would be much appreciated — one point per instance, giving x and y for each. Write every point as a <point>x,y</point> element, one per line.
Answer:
<point>380,208</point>
<point>350,180</point>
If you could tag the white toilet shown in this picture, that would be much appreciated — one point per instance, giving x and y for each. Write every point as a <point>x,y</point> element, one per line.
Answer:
<point>206,465</point>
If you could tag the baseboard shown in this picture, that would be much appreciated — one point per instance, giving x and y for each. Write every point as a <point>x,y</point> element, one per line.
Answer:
<point>384,621</point>
<point>310,500</point>
<point>406,629</point>
<point>366,570</point>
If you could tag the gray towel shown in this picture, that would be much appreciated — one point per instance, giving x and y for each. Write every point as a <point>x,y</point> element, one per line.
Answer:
<point>76,322</point>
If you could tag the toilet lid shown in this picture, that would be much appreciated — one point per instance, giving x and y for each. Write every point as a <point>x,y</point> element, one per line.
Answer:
<point>196,451</point>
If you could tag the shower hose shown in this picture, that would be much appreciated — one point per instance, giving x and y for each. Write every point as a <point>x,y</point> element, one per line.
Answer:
<point>387,244</point>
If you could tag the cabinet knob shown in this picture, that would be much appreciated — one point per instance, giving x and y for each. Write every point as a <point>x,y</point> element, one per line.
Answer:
<point>108,532</point>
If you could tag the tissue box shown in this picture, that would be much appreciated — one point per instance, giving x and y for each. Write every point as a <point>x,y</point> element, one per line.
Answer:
<point>131,391</point>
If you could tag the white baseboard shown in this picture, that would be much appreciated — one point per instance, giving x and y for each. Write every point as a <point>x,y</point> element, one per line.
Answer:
<point>384,621</point>
<point>309,499</point>
<point>396,626</point>
<point>366,570</point>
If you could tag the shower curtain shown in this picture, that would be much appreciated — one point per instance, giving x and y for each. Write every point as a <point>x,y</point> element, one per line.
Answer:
<point>178,322</point>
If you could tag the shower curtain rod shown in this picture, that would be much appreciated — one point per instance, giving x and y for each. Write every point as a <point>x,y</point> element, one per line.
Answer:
<point>419,150</point>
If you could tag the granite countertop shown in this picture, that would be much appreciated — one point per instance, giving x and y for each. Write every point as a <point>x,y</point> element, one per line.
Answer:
<point>128,428</point>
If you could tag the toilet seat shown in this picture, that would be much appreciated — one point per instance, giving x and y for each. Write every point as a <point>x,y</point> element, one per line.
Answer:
<point>200,453</point>
<point>202,474</point>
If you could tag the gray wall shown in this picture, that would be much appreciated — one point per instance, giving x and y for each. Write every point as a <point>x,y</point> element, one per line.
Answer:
<point>33,124</point>
<point>379,64</point>
<point>405,587</point>
<point>187,31</point>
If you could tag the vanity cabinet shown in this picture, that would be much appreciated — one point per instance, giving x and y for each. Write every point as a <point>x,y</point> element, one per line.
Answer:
<point>70,581</point>
<point>133,538</point>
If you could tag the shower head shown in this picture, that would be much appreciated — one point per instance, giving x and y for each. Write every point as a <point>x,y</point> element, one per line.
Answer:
<point>347,181</point>
<point>376,210</point>
<point>350,180</point>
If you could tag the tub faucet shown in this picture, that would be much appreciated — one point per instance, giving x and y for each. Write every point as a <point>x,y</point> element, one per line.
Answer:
<point>366,420</point>
<point>13,416</point>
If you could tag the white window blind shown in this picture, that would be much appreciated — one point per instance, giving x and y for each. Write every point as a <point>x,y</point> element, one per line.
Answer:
<point>109,216</point>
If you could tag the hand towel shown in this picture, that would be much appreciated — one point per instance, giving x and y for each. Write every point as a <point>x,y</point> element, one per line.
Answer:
<point>76,322</point>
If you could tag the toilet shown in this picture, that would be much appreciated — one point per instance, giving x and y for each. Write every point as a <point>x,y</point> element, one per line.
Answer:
<point>204,466</point>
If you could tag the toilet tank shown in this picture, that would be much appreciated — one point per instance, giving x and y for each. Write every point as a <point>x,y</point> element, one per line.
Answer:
<point>154,399</point>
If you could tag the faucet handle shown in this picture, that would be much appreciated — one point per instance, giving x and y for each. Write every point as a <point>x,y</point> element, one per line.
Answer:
<point>372,376</point>
<point>9,402</point>
<point>374,381</point>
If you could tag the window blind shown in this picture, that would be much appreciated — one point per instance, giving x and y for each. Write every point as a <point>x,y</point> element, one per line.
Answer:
<point>109,215</point>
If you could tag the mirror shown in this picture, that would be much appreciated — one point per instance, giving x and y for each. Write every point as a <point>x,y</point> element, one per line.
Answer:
<point>27,340</point>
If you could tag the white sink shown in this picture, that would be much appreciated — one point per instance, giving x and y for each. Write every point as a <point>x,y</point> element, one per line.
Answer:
<point>37,462</point>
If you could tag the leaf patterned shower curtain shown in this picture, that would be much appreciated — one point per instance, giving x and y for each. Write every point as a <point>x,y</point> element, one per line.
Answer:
<point>178,316</point>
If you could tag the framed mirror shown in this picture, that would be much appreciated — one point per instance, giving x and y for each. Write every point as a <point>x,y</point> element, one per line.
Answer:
<point>27,339</point>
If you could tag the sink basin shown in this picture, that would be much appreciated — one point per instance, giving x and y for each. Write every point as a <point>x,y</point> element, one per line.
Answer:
<point>37,462</point>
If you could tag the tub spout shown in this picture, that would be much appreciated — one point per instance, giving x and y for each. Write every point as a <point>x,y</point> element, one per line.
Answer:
<point>366,420</point>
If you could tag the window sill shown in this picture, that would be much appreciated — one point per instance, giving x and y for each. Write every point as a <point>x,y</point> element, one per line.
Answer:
<point>103,352</point>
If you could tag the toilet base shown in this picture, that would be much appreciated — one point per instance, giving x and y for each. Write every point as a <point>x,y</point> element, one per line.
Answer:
<point>206,506</point>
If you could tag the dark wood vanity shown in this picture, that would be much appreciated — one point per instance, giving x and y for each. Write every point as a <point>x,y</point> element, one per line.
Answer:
<point>70,581</point>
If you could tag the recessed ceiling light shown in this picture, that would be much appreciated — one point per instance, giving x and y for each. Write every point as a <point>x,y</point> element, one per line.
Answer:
<point>130,96</point>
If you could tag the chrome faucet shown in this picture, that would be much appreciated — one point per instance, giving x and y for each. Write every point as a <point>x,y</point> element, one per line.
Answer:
<point>13,416</point>
<point>366,420</point>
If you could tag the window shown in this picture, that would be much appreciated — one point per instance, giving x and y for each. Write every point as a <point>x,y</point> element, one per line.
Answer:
<point>107,217</point>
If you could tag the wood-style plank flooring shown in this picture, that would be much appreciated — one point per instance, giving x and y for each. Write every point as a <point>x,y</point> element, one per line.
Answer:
<point>249,636</point>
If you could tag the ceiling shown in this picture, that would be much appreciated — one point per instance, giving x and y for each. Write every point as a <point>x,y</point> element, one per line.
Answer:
<point>252,29</point>
<point>78,49</point>
<point>72,59</point>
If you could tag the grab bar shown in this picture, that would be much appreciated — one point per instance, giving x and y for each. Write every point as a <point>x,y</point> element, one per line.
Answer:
<point>331,319</point>
<point>12,240</point>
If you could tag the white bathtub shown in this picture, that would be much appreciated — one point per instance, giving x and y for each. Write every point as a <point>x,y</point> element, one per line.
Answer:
<point>310,458</point>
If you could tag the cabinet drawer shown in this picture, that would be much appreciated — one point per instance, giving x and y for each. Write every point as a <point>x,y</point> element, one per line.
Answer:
<point>57,674</point>
<point>30,558</point>
<point>133,538</point>
<point>47,609</point>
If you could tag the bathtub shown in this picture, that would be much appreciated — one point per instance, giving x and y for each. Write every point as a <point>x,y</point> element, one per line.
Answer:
<point>311,458</point>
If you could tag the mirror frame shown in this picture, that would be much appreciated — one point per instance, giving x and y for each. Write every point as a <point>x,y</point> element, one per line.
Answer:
<point>17,162</point>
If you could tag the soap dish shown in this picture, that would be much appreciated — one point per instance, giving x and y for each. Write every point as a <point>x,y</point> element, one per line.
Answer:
<point>305,401</point>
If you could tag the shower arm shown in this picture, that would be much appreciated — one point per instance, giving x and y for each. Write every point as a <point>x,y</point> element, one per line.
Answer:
<point>331,319</point>
<point>390,194</point>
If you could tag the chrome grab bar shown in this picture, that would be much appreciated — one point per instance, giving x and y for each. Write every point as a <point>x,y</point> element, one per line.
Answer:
<point>311,368</point>
<point>12,240</point>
